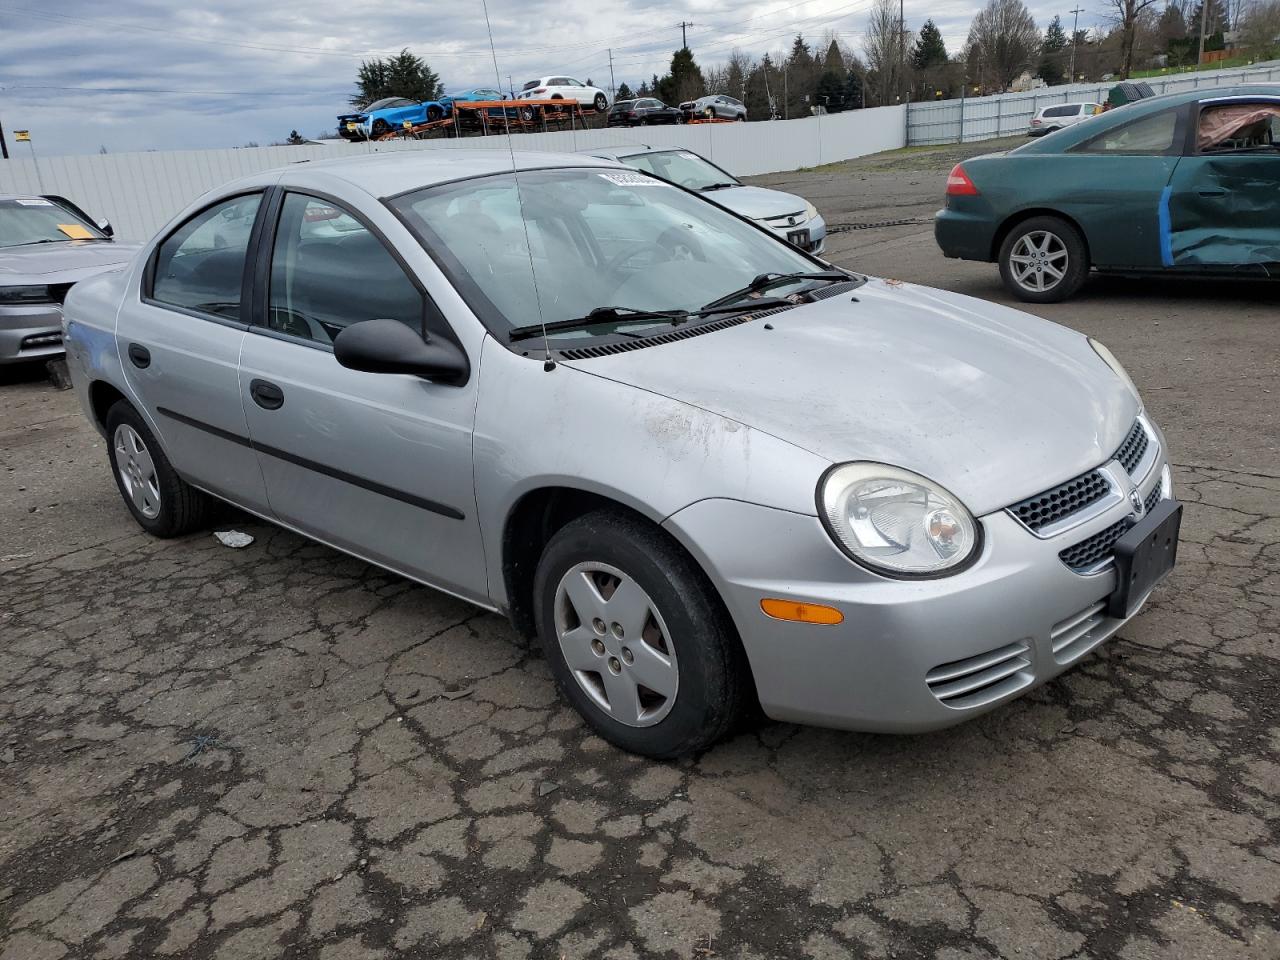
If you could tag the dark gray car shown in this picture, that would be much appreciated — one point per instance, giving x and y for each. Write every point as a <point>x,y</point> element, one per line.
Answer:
<point>47,244</point>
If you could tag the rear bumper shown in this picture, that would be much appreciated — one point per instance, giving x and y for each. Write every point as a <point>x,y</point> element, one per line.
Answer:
<point>965,234</point>
<point>31,332</point>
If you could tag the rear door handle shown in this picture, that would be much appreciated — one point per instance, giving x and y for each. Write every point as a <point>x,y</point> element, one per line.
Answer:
<point>139,356</point>
<point>1212,192</point>
<point>266,394</point>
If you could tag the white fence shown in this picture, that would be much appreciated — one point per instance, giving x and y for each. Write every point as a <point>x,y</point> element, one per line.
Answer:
<point>139,192</point>
<point>1009,114</point>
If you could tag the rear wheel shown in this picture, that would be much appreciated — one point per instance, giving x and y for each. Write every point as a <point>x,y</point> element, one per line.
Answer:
<point>709,113</point>
<point>601,102</point>
<point>1043,260</point>
<point>380,127</point>
<point>635,637</point>
<point>162,502</point>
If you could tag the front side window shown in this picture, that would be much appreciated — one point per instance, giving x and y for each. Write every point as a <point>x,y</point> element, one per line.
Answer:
<point>680,166</point>
<point>1150,136</point>
<point>572,240</point>
<point>200,266</point>
<point>27,220</point>
<point>329,271</point>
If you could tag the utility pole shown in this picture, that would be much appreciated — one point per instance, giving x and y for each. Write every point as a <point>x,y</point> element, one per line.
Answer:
<point>902,46</point>
<point>4,147</point>
<point>684,39</point>
<point>1075,35</point>
<point>613,87</point>
<point>1204,20</point>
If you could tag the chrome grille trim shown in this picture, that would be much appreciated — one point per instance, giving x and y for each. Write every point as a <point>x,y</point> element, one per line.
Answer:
<point>984,678</point>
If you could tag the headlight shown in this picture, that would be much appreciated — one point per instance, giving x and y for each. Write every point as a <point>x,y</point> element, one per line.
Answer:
<point>1110,360</point>
<point>39,294</point>
<point>894,521</point>
<point>810,211</point>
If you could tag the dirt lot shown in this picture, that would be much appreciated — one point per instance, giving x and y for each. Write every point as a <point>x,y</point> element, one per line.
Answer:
<point>208,752</point>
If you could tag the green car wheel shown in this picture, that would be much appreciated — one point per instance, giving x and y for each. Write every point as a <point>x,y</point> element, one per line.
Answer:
<point>1043,260</point>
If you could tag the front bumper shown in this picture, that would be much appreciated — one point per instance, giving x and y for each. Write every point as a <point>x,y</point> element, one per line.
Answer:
<point>30,332</point>
<point>911,655</point>
<point>817,228</point>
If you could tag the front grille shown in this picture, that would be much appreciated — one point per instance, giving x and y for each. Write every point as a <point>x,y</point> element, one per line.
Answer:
<point>1088,553</point>
<point>1063,500</point>
<point>976,681</point>
<point>1153,498</point>
<point>1079,633</point>
<point>786,220</point>
<point>1134,447</point>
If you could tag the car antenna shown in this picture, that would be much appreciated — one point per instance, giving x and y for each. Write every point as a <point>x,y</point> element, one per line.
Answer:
<point>547,363</point>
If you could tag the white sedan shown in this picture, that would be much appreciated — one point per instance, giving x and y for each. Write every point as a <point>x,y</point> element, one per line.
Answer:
<point>565,88</point>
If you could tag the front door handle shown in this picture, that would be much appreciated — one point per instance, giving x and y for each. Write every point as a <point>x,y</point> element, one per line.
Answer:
<point>1212,192</point>
<point>139,356</point>
<point>266,394</point>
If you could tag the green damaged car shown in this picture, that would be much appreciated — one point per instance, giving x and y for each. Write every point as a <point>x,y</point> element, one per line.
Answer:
<point>1187,183</point>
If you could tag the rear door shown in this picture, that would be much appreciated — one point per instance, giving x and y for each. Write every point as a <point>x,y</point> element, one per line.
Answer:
<point>376,464</point>
<point>180,347</point>
<point>1223,204</point>
<point>1113,186</point>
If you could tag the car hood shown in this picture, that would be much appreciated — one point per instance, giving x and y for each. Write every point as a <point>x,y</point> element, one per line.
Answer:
<point>62,262</point>
<point>994,404</point>
<point>757,203</point>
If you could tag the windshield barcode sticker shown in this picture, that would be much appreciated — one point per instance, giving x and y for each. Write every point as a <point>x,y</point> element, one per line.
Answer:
<point>633,180</point>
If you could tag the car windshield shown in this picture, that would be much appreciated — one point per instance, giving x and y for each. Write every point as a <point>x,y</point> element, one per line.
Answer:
<point>386,102</point>
<point>35,220</point>
<point>589,237</point>
<point>680,166</point>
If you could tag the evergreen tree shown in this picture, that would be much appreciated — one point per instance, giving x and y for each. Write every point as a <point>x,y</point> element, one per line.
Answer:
<point>930,50</point>
<point>403,75</point>
<point>684,81</point>
<point>802,78</point>
<point>624,92</point>
<point>735,81</point>
<point>761,84</point>
<point>830,91</point>
<point>1052,70</point>
<point>853,92</point>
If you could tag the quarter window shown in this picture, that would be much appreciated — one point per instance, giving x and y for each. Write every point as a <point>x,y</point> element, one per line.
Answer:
<point>1150,136</point>
<point>200,266</point>
<point>329,271</point>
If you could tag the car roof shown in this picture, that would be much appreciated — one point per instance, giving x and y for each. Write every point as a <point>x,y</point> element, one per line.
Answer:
<point>388,174</point>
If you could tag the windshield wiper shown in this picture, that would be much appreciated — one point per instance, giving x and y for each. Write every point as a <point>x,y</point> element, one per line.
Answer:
<point>630,315</point>
<point>716,186</point>
<point>32,243</point>
<point>766,280</point>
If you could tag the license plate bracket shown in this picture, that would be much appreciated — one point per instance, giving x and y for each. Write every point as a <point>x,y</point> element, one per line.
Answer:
<point>1144,556</point>
<point>798,237</point>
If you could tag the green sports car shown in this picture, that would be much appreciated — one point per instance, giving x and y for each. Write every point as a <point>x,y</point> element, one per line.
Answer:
<point>1186,184</point>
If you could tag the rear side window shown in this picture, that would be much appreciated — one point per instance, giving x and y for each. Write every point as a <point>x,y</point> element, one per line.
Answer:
<point>1150,136</point>
<point>1068,111</point>
<point>329,271</point>
<point>200,266</point>
<point>530,85</point>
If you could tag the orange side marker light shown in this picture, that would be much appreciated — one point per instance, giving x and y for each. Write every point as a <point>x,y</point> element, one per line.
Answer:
<point>798,612</point>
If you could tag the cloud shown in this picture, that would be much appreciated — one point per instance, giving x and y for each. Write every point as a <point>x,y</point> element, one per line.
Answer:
<point>149,74</point>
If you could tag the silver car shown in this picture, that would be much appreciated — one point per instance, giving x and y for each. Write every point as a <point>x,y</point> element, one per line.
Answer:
<point>46,245</point>
<point>715,106</point>
<point>700,482</point>
<point>793,218</point>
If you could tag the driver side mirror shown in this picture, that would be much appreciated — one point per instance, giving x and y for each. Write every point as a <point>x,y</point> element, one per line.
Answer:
<point>388,346</point>
<point>105,227</point>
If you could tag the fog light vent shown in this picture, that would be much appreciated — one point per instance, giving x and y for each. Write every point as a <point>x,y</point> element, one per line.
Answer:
<point>983,679</point>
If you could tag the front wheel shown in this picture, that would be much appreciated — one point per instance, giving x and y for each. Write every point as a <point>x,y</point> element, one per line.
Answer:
<point>434,114</point>
<point>162,502</point>
<point>601,103</point>
<point>635,637</point>
<point>1043,260</point>
<point>709,113</point>
<point>379,128</point>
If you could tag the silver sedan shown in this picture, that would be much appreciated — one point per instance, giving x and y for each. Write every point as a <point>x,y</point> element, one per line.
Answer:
<point>701,481</point>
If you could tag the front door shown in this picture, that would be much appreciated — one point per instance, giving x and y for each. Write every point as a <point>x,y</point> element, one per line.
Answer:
<point>1224,199</point>
<point>180,349</point>
<point>376,464</point>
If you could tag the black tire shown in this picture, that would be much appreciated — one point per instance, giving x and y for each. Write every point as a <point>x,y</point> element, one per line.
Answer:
<point>434,114</point>
<point>713,677</point>
<point>1065,237</point>
<point>742,118</point>
<point>601,102</point>
<point>379,128</point>
<point>709,113</point>
<point>182,509</point>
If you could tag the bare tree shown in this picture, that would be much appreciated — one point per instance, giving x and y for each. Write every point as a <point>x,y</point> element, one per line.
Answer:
<point>1127,14</point>
<point>1004,39</point>
<point>1261,28</point>
<point>884,45</point>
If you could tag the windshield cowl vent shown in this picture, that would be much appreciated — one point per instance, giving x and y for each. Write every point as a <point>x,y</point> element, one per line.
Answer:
<point>626,346</point>
<point>833,290</point>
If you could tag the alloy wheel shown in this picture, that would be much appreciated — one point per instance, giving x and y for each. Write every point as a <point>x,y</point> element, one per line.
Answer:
<point>1038,261</point>
<point>137,471</point>
<point>616,644</point>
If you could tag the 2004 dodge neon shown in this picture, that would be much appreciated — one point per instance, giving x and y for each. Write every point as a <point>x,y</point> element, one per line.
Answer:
<point>735,473</point>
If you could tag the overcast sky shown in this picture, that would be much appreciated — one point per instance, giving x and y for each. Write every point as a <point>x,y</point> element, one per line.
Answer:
<point>144,74</point>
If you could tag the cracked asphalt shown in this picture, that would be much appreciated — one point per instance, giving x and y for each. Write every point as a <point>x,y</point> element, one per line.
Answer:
<point>281,751</point>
